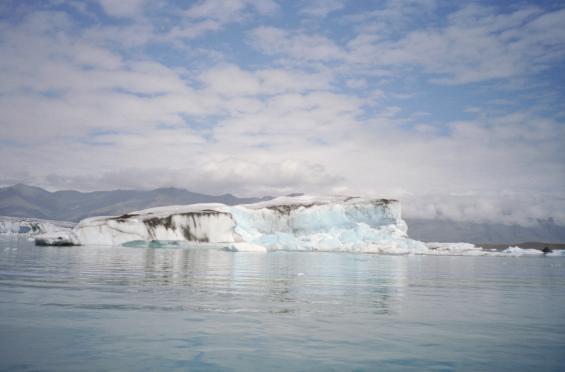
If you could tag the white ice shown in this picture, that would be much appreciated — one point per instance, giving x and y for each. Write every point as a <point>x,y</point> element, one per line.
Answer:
<point>22,227</point>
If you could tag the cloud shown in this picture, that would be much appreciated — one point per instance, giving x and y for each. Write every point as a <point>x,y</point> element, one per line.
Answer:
<point>300,46</point>
<point>201,97</point>
<point>391,18</point>
<point>285,176</point>
<point>356,83</point>
<point>231,80</point>
<point>507,208</point>
<point>322,8</point>
<point>230,10</point>
<point>193,30</point>
<point>246,177</point>
<point>477,44</point>
<point>193,22</point>
<point>122,8</point>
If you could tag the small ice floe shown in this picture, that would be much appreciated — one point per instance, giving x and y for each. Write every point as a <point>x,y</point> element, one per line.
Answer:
<point>246,247</point>
<point>517,251</point>
<point>454,249</point>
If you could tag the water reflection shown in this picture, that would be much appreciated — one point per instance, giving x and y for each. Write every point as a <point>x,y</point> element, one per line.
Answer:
<point>213,280</point>
<point>165,309</point>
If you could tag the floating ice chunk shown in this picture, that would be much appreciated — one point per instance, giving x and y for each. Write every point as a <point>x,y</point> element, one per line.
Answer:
<point>517,251</point>
<point>245,247</point>
<point>458,249</point>
<point>467,249</point>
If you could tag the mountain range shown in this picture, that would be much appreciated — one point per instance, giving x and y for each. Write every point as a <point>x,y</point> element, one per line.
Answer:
<point>68,205</point>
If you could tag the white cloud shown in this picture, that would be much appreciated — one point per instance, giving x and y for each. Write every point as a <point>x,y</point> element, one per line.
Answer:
<point>476,45</point>
<point>231,80</point>
<point>390,18</point>
<point>321,8</point>
<point>203,17</point>
<point>285,176</point>
<point>230,10</point>
<point>246,177</point>
<point>122,8</point>
<point>508,208</point>
<point>298,45</point>
<point>193,30</point>
<point>129,36</point>
<point>276,115</point>
<point>356,83</point>
<point>78,109</point>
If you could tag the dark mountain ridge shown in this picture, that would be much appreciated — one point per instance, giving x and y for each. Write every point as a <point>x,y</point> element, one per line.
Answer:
<point>69,205</point>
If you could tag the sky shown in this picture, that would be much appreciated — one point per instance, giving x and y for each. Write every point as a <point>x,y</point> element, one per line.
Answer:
<point>457,108</point>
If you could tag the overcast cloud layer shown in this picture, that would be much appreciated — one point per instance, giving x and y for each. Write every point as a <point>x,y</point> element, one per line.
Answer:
<point>457,108</point>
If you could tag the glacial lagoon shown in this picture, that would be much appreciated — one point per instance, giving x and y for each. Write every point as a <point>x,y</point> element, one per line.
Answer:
<point>135,309</point>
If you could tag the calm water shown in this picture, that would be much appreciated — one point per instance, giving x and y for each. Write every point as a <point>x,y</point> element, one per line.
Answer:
<point>99,308</point>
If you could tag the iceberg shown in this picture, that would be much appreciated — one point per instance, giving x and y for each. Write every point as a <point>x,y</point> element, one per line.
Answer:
<point>306,223</point>
<point>21,227</point>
